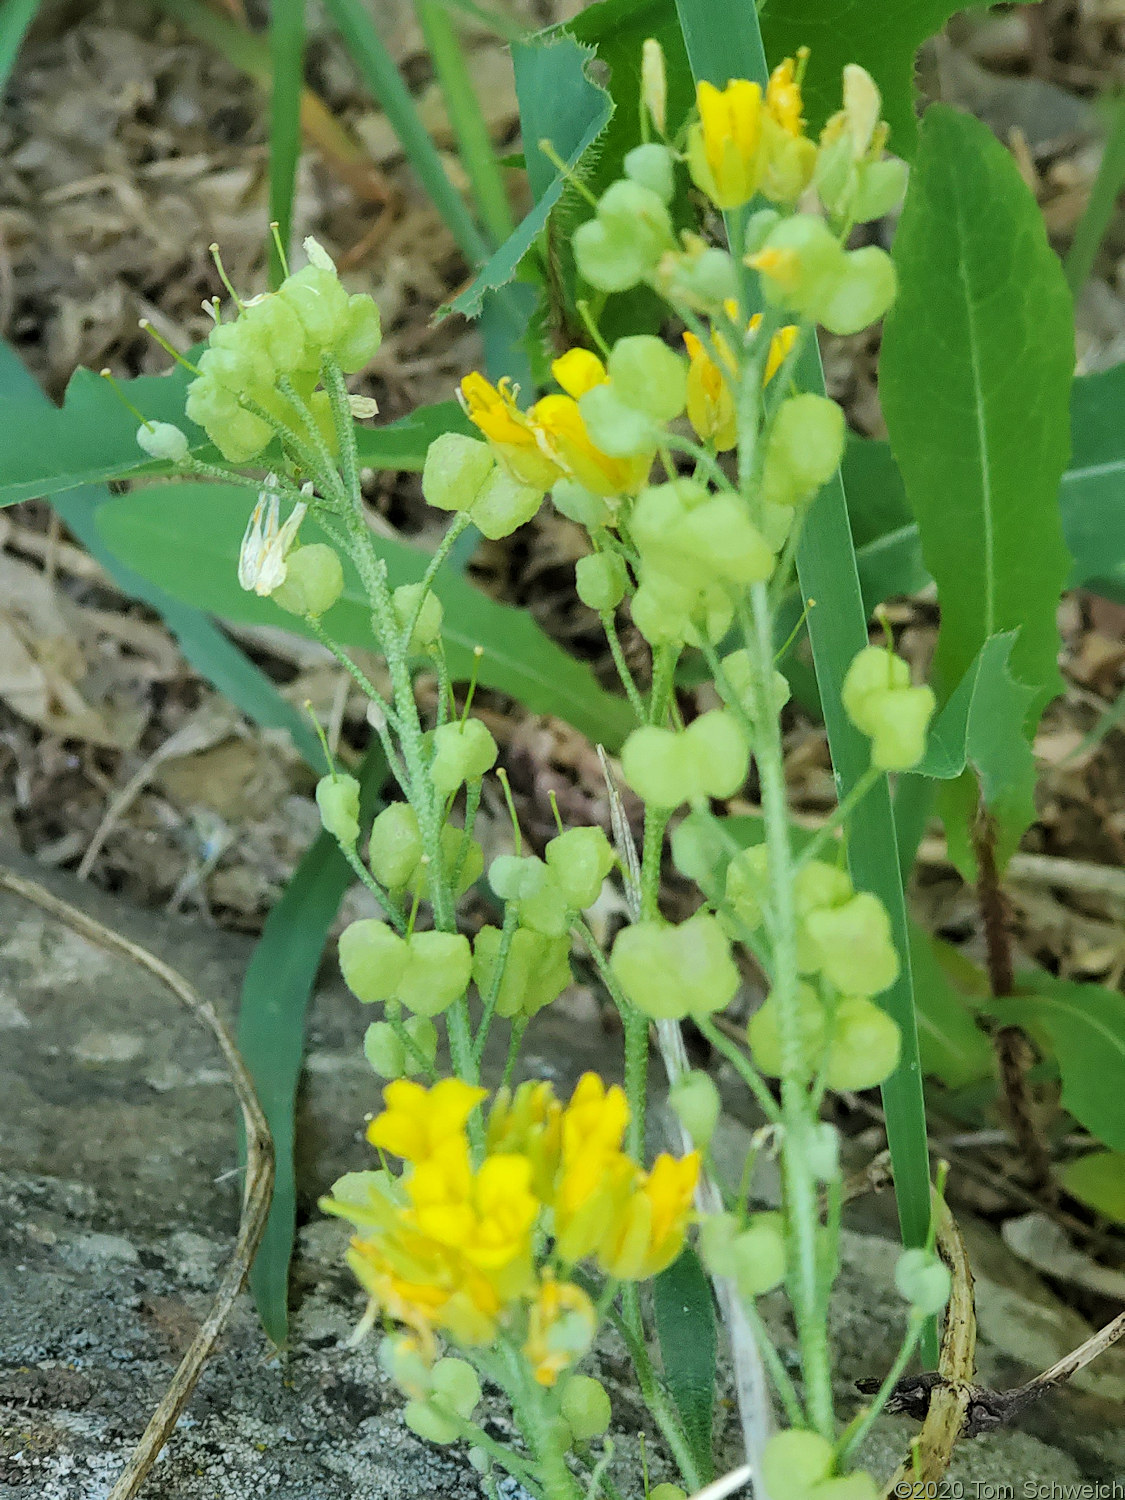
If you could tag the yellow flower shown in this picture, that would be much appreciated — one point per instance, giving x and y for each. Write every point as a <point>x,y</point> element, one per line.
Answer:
<point>790,157</point>
<point>725,148</point>
<point>710,400</point>
<point>529,1122</point>
<point>579,371</point>
<point>560,1329</point>
<point>562,431</point>
<point>649,1234</point>
<point>783,96</point>
<point>595,1177</point>
<point>417,1120</point>
<point>487,1216</point>
<point>494,411</point>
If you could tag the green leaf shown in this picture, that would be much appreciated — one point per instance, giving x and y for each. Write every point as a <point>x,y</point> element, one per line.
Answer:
<point>888,551</point>
<point>271,1032</point>
<point>1102,202</point>
<point>881,38</point>
<point>15,18</point>
<point>560,102</point>
<point>952,1045</point>
<point>204,645</point>
<point>1099,1181</point>
<point>1093,487</point>
<point>975,375</point>
<point>186,537</point>
<point>723,41</point>
<point>685,1327</point>
<point>93,437</point>
<point>1085,1026</point>
<point>982,727</point>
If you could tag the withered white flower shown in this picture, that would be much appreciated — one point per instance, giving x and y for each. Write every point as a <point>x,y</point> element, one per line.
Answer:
<point>267,542</point>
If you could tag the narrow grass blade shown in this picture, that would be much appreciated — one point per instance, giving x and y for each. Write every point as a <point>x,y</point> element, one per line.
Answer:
<point>16,17</point>
<point>287,59</point>
<point>1103,200</point>
<point>724,41</point>
<point>377,69</point>
<point>466,118</point>
<point>271,1033</point>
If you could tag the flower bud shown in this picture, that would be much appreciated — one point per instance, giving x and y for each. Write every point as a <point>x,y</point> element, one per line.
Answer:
<point>804,449</point>
<point>580,860</point>
<point>585,1406</point>
<point>923,1281</point>
<point>671,972</point>
<point>865,1045</point>
<point>764,1034</point>
<point>373,960</point>
<point>653,166</point>
<point>601,580</point>
<point>396,845</point>
<point>427,632</point>
<point>163,440</point>
<point>854,944</point>
<point>462,752</point>
<point>648,376</point>
<point>654,83</point>
<point>455,1383</point>
<point>313,581</point>
<point>456,467</point>
<point>338,800</point>
<point>437,972</point>
<point>696,1103</point>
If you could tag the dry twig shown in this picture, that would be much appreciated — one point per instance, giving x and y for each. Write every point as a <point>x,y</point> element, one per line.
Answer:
<point>258,1188</point>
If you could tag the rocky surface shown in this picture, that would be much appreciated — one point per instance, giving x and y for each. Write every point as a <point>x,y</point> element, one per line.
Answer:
<point>119,1193</point>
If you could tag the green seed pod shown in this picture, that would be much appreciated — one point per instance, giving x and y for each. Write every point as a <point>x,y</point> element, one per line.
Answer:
<point>316,296</point>
<point>923,1281</point>
<point>503,505</point>
<point>654,764</point>
<point>703,277</point>
<point>429,1423</point>
<point>338,799</point>
<point>601,580</point>
<point>764,1034</point>
<point>865,1045</point>
<point>879,190</point>
<point>455,469</point>
<point>622,245</point>
<point>672,972</point>
<point>718,755</point>
<point>455,1382</point>
<point>855,945</point>
<point>163,440</point>
<point>800,264</point>
<point>359,334</point>
<point>723,542</point>
<point>384,1051</point>
<point>456,853</point>
<point>506,875</point>
<point>313,581</point>
<point>536,973</point>
<point>606,258</point>
<point>804,449</point>
<point>373,960</point>
<point>436,973</point>
<point>423,1033</point>
<point>427,632</point>
<point>794,1462</point>
<point>748,885</point>
<point>667,1492</point>
<point>698,850</point>
<point>396,846</point>
<point>857,1485</point>
<point>580,860</point>
<point>862,294</point>
<point>275,328</point>
<point>578,504</point>
<point>400,1357</point>
<point>717,1234</point>
<point>542,904</point>
<point>462,752</point>
<point>648,376</point>
<point>696,1103</point>
<point>585,1407</point>
<point>654,167</point>
<point>616,427</point>
<point>758,1255</point>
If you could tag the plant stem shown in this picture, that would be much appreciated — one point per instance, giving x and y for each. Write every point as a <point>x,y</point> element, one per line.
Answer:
<point>632,692</point>
<point>858,1429</point>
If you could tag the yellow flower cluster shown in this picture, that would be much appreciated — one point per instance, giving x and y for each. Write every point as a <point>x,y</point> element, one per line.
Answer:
<point>746,142</point>
<point>550,441</point>
<point>476,1249</point>
<point>710,400</point>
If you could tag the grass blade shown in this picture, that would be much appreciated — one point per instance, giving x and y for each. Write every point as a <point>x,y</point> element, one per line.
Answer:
<point>377,69</point>
<point>1095,219</point>
<point>271,1033</point>
<point>16,17</point>
<point>287,59</point>
<point>466,118</point>
<point>724,41</point>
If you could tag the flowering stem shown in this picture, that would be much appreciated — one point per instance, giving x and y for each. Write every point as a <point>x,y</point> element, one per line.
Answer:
<point>742,1066</point>
<point>652,1392</point>
<point>842,811</point>
<point>364,876</point>
<point>859,1427</point>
